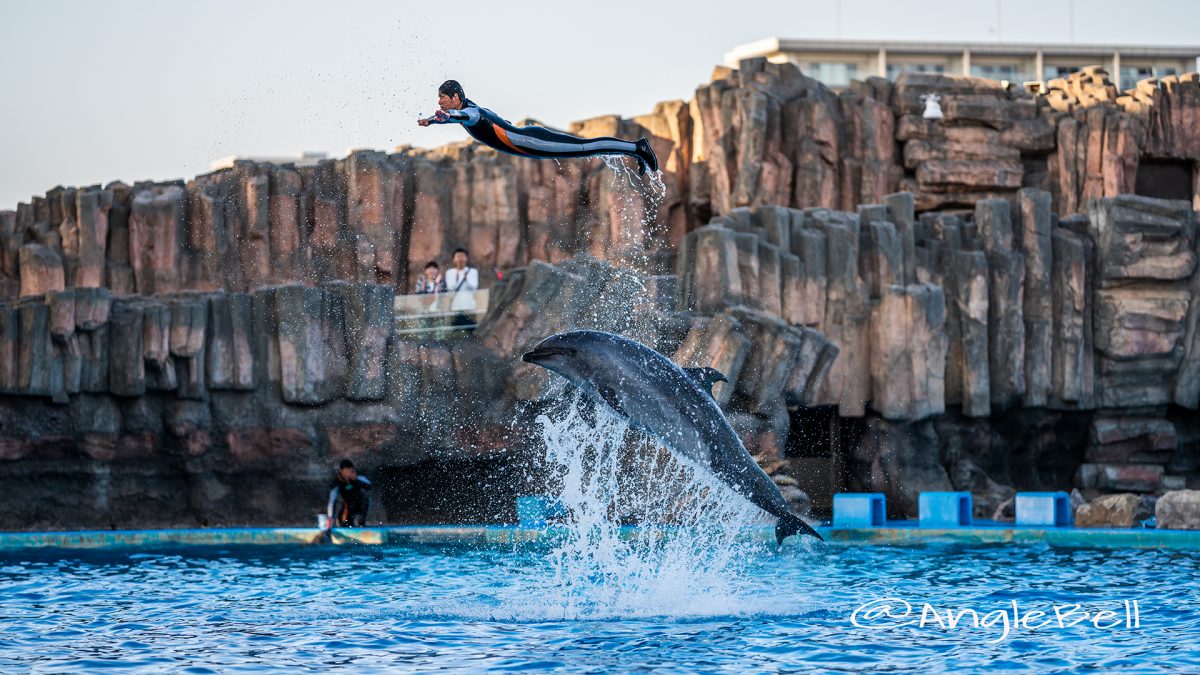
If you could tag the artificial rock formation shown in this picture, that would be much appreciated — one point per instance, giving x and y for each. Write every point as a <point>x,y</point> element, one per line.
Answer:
<point>761,135</point>
<point>1118,510</point>
<point>1178,510</point>
<point>196,393</point>
<point>1002,299</point>
<point>989,312</point>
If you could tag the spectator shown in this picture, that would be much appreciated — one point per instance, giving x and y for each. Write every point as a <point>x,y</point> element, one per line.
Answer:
<point>431,281</point>
<point>462,280</point>
<point>348,498</point>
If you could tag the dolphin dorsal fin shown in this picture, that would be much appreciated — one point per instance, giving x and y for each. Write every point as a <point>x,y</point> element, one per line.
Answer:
<point>705,378</point>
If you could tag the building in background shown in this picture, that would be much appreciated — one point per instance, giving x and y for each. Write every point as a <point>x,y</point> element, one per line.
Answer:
<point>837,62</point>
<point>303,159</point>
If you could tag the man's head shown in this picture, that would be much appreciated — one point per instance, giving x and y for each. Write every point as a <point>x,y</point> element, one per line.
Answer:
<point>432,269</point>
<point>346,470</point>
<point>451,95</point>
<point>461,257</point>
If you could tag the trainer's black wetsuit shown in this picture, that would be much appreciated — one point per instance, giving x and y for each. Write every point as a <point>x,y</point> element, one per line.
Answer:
<point>354,502</point>
<point>494,131</point>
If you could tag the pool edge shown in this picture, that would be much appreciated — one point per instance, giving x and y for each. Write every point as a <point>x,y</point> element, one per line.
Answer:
<point>896,534</point>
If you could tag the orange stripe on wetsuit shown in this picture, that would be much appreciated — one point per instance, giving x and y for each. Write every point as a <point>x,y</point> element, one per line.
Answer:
<point>503,136</point>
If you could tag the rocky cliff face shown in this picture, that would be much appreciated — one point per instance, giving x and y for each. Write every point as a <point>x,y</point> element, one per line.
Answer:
<point>1083,329</point>
<point>221,407</point>
<point>231,407</point>
<point>899,304</point>
<point>763,135</point>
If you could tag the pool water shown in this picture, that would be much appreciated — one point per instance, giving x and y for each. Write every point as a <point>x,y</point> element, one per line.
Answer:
<point>698,592</point>
<point>505,607</point>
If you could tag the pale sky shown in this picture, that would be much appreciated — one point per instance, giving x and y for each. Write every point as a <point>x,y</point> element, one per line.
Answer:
<point>146,89</point>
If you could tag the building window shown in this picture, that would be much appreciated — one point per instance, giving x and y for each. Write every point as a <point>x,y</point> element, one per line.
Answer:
<point>1165,71</point>
<point>1131,75</point>
<point>894,69</point>
<point>1053,72</point>
<point>1007,71</point>
<point>831,74</point>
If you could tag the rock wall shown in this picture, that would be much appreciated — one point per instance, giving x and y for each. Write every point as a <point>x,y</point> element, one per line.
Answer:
<point>203,408</point>
<point>764,134</point>
<point>936,321</point>
<point>230,408</point>
<point>984,292</point>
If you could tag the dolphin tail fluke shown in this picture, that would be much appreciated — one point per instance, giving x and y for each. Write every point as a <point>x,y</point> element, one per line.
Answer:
<point>791,524</point>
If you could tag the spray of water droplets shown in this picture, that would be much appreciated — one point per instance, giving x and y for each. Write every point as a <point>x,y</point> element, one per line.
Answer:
<point>638,201</point>
<point>686,552</point>
<point>645,533</point>
<point>690,541</point>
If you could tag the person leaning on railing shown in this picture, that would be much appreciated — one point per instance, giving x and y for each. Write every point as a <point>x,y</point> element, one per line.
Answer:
<point>462,280</point>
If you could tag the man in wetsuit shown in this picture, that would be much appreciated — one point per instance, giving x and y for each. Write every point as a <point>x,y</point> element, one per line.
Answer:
<point>348,500</point>
<point>494,131</point>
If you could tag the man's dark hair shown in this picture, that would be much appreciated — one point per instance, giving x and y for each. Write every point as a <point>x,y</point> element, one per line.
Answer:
<point>462,251</point>
<point>346,464</point>
<point>433,264</point>
<point>452,88</point>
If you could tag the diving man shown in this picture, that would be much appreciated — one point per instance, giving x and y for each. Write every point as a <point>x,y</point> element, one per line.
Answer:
<point>494,131</point>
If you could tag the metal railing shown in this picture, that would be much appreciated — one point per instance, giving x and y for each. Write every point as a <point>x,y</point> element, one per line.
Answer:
<point>439,314</point>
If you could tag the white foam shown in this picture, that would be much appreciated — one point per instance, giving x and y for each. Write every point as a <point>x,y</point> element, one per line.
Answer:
<point>686,559</point>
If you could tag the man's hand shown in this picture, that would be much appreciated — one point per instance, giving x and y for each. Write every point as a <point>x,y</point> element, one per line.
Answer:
<point>438,116</point>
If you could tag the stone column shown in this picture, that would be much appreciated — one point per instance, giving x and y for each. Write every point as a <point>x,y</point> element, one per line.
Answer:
<point>1034,243</point>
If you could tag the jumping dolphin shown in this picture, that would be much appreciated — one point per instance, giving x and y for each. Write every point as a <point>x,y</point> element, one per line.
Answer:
<point>673,404</point>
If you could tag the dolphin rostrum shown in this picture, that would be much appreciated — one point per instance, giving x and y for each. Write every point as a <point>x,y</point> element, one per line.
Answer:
<point>672,404</point>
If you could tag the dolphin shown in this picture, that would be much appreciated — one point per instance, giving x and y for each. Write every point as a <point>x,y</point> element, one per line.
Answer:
<point>669,403</point>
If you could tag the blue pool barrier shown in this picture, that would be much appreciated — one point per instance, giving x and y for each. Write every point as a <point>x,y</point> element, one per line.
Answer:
<point>944,509</point>
<point>1044,509</point>
<point>859,509</point>
<point>538,510</point>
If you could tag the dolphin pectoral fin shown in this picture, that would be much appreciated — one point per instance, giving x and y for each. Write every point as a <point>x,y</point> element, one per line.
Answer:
<point>610,398</point>
<point>791,524</point>
<point>705,378</point>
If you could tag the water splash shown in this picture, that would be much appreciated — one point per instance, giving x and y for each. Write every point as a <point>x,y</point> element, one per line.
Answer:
<point>623,172</point>
<point>693,542</point>
<point>687,554</point>
<point>639,201</point>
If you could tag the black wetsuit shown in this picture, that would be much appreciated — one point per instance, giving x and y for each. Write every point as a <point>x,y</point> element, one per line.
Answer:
<point>349,502</point>
<point>494,131</point>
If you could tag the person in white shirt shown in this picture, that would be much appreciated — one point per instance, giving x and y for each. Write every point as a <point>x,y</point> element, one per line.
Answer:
<point>462,281</point>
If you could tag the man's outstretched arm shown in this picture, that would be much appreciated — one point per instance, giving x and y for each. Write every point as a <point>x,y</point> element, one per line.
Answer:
<point>466,117</point>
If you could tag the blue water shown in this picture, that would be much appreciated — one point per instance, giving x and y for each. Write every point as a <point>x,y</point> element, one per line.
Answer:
<point>454,608</point>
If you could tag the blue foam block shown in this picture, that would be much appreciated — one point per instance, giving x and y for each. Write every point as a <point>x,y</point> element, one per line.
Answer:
<point>859,509</point>
<point>945,509</point>
<point>1045,509</point>
<point>538,510</point>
